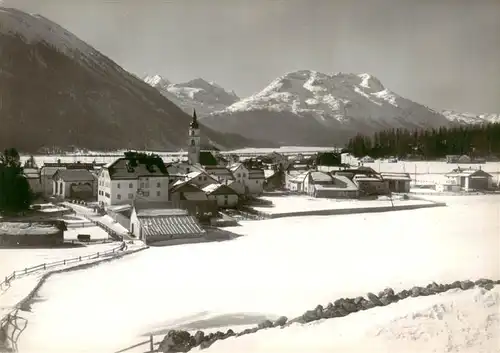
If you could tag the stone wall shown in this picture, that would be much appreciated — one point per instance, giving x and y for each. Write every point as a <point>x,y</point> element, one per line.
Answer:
<point>183,341</point>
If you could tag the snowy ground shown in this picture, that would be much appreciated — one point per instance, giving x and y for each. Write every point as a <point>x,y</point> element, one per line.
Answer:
<point>284,267</point>
<point>19,259</point>
<point>95,232</point>
<point>298,203</point>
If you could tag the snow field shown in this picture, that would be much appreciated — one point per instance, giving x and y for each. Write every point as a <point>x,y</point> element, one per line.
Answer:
<point>282,267</point>
<point>293,203</point>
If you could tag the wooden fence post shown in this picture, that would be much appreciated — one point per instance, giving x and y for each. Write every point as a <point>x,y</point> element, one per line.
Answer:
<point>64,262</point>
<point>25,270</point>
<point>44,266</point>
<point>151,344</point>
<point>79,258</point>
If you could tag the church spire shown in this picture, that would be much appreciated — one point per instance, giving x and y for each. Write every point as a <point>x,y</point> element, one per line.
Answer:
<point>194,122</point>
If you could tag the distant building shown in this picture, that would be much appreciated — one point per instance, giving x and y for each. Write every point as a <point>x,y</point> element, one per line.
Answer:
<point>34,179</point>
<point>252,178</point>
<point>136,175</point>
<point>367,159</point>
<point>471,179</point>
<point>222,194</point>
<point>397,182</point>
<point>74,184</point>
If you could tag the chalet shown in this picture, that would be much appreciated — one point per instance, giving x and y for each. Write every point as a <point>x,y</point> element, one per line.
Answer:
<point>251,178</point>
<point>131,176</point>
<point>471,179</point>
<point>157,223</point>
<point>222,194</point>
<point>74,184</point>
<point>34,179</point>
<point>397,182</point>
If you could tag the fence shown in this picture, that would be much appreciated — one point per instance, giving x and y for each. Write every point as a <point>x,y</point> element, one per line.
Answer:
<point>8,340</point>
<point>150,341</point>
<point>45,266</point>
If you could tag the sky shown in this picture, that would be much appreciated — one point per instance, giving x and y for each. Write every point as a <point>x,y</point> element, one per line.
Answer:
<point>441,53</point>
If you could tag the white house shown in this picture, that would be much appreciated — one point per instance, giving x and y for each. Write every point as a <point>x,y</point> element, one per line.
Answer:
<point>397,182</point>
<point>252,178</point>
<point>223,194</point>
<point>471,179</point>
<point>133,176</point>
<point>74,183</point>
<point>200,179</point>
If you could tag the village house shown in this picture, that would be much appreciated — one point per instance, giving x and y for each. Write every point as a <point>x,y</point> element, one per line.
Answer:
<point>187,196</point>
<point>34,179</point>
<point>200,179</point>
<point>449,185</point>
<point>295,182</point>
<point>158,223</point>
<point>371,185</point>
<point>222,194</point>
<point>74,184</point>
<point>48,170</point>
<point>136,175</point>
<point>251,178</point>
<point>471,179</point>
<point>397,182</point>
<point>273,179</point>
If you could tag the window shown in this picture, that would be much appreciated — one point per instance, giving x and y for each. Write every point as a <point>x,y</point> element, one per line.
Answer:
<point>118,185</point>
<point>205,178</point>
<point>158,185</point>
<point>157,193</point>
<point>256,181</point>
<point>244,175</point>
<point>130,186</point>
<point>107,194</point>
<point>192,143</point>
<point>187,170</point>
<point>118,196</point>
<point>142,185</point>
<point>146,193</point>
<point>238,175</point>
<point>147,185</point>
<point>130,196</point>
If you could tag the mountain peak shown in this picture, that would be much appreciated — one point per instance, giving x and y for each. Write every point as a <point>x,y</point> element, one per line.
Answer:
<point>156,81</point>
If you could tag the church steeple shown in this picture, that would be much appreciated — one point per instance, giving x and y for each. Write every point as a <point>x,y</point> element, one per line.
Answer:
<point>194,141</point>
<point>194,122</point>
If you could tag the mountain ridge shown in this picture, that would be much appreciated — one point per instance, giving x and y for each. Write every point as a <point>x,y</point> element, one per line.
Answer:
<point>59,93</point>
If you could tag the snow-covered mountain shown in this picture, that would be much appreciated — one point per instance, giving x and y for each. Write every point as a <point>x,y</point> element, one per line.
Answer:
<point>205,97</point>
<point>470,118</point>
<point>311,108</point>
<point>56,91</point>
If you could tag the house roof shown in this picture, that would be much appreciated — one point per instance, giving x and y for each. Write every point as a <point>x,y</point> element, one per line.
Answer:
<point>269,173</point>
<point>131,167</point>
<point>69,175</point>
<point>219,172</point>
<point>298,178</point>
<point>343,182</point>
<point>235,166</point>
<point>156,209</point>
<point>185,186</point>
<point>396,176</point>
<point>219,189</point>
<point>361,177</point>
<point>174,224</point>
<point>320,177</point>
<point>31,173</point>
<point>468,173</point>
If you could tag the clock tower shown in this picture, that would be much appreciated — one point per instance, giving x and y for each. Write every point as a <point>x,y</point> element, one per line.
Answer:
<point>194,141</point>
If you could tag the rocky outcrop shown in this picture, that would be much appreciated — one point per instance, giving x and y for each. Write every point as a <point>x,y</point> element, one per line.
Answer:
<point>183,341</point>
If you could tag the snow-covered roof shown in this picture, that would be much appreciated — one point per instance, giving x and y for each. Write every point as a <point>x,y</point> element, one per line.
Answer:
<point>396,176</point>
